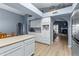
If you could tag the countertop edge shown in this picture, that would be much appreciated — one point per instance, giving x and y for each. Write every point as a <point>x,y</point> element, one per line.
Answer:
<point>4,45</point>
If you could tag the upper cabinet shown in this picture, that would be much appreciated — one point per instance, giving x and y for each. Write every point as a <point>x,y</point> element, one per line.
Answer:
<point>35,23</point>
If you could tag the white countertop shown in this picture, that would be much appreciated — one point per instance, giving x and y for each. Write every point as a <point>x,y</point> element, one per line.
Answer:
<point>15,39</point>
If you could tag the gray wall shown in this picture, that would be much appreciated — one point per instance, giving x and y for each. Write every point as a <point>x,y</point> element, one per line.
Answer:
<point>8,21</point>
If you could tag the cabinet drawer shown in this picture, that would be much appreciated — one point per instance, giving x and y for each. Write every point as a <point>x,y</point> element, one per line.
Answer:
<point>10,47</point>
<point>19,51</point>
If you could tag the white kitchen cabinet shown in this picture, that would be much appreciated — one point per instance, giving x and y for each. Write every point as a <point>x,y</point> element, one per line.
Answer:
<point>19,51</point>
<point>16,49</point>
<point>10,47</point>
<point>23,48</point>
<point>29,47</point>
<point>35,23</point>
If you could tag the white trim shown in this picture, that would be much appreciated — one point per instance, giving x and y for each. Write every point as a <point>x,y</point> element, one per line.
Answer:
<point>31,7</point>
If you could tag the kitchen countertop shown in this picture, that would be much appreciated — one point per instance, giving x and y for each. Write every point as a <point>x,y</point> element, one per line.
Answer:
<point>15,39</point>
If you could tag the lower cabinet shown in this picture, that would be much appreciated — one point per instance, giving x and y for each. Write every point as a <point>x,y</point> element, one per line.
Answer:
<point>29,49</point>
<point>19,51</point>
<point>25,48</point>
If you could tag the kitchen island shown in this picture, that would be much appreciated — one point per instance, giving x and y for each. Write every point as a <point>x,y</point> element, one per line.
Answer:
<point>23,45</point>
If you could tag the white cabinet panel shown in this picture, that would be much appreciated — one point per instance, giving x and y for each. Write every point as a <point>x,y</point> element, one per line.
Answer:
<point>17,52</point>
<point>24,48</point>
<point>30,48</point>
<point>10,47</point>
<point>36,23</point>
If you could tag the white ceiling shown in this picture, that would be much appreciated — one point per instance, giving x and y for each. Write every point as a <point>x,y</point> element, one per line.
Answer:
<point>44,5</point>
<point>21,10</point>
<point>64,17</point>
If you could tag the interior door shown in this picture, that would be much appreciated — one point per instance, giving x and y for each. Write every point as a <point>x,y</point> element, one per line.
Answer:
<point>20,29</point>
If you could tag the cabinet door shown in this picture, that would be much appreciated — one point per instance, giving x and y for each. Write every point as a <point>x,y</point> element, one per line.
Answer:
<point>10,47</point>
<point>29,49</point>
<point>19,51</point>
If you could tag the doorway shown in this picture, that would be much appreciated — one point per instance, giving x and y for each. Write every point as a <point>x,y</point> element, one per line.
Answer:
<point>60,29</point>
<point>55,31</point>
<point>19,29</point>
